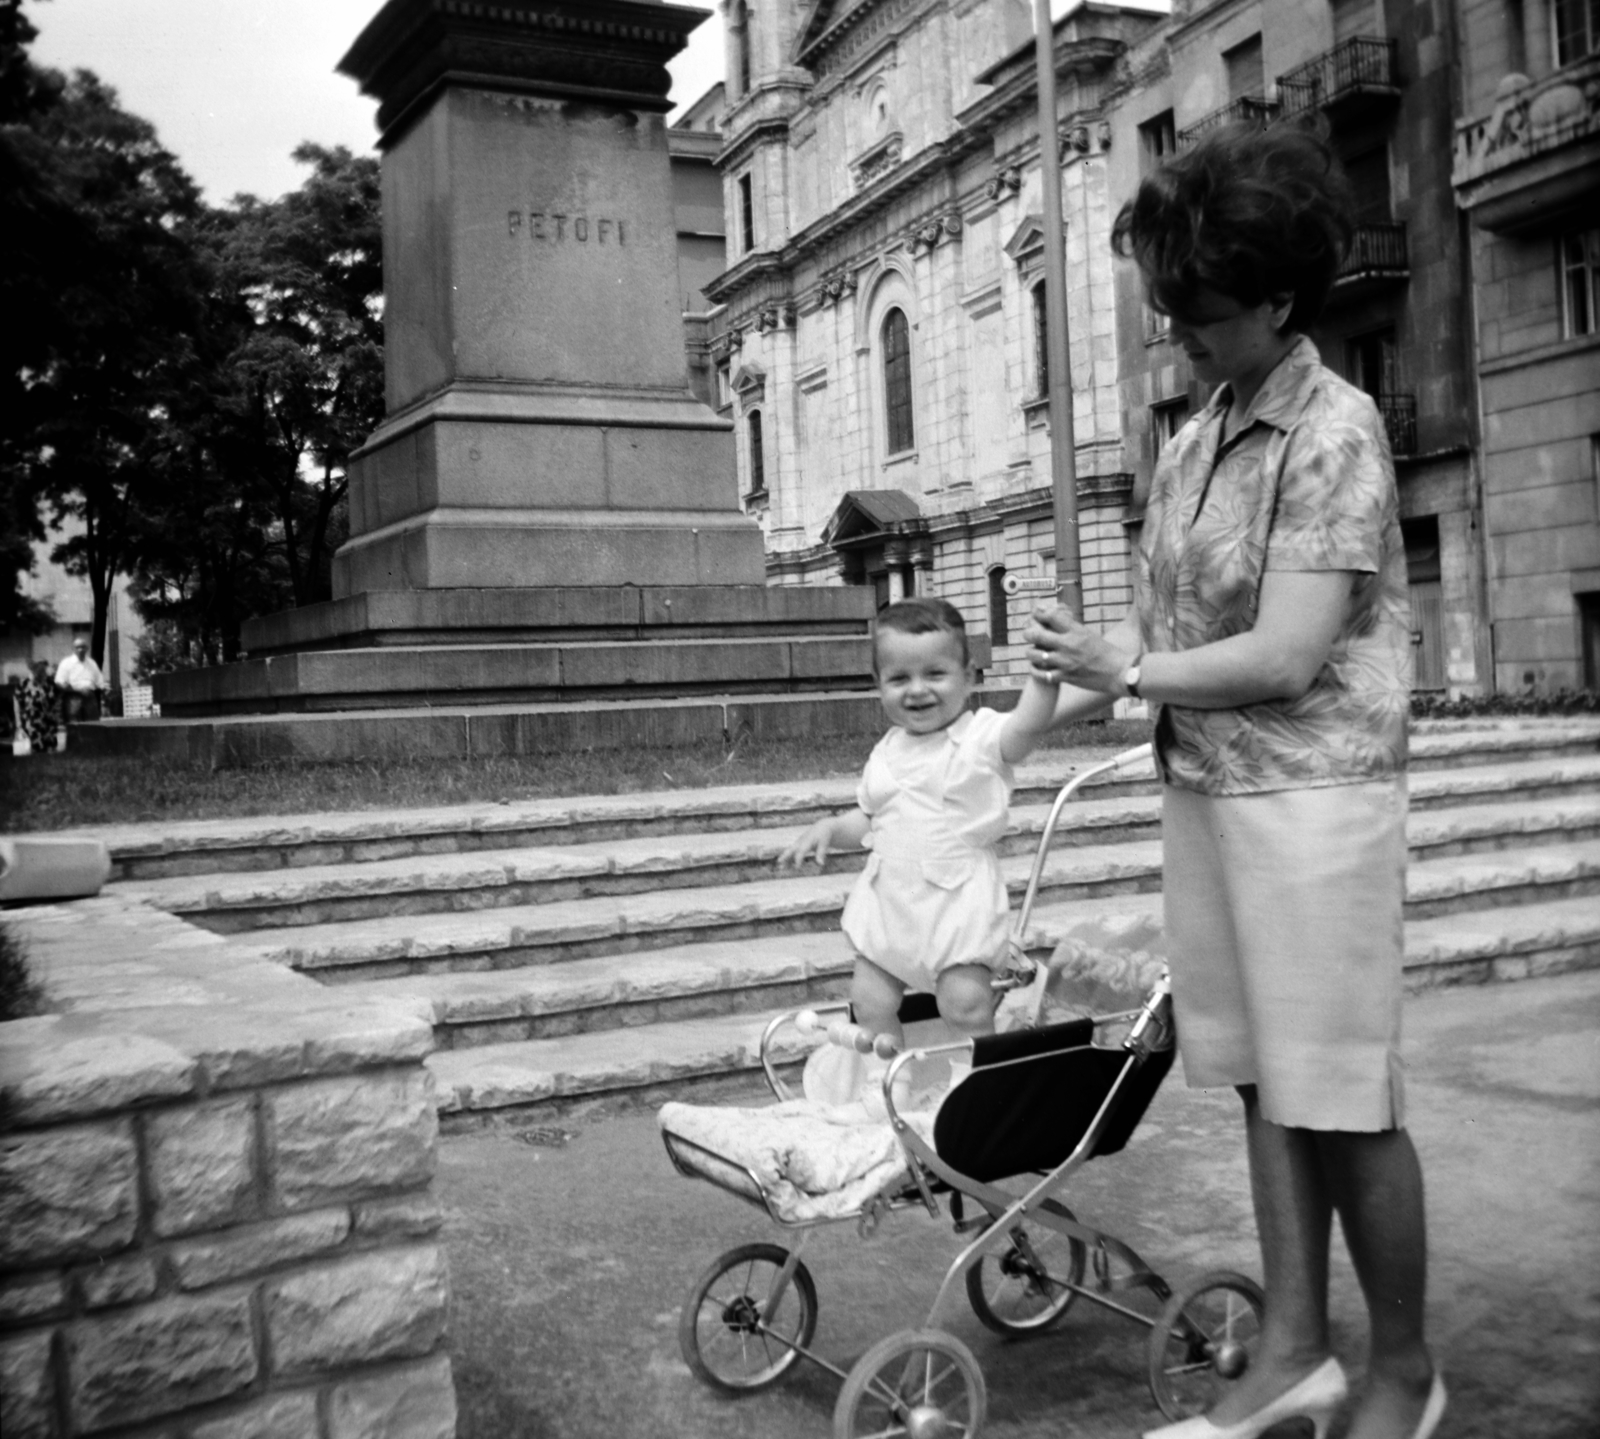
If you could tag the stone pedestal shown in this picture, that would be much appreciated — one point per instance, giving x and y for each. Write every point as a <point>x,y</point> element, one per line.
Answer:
<point>547,516</point>
<point>540,428</point>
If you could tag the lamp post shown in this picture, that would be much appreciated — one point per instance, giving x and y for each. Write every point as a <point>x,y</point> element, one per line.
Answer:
<point>1063,459</point>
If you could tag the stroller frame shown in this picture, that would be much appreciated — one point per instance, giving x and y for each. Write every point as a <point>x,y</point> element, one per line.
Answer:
<point>927,1381</point>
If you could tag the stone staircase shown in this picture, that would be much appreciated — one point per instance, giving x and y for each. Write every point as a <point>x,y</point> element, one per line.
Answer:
<point>575,953</point>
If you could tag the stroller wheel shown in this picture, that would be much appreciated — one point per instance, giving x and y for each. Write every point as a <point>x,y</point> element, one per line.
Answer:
<point>1204,1339</point>
<point>922,1384</point>
<point>722,1333</point>
<point>1022,1285</point>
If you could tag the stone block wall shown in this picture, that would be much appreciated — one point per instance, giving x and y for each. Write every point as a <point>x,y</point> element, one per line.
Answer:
<point>215,1212</point>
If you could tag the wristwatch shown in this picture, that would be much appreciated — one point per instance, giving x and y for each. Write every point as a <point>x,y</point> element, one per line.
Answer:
<point>1130,680</point>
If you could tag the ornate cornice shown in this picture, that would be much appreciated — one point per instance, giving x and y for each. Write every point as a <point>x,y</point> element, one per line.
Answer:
<point>868,23</point>
<point>606,51</point>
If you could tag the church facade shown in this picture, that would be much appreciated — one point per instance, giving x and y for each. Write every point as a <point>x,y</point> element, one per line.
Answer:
<point>879,335</point>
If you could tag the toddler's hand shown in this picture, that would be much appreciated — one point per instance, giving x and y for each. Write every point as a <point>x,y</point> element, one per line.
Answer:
<point>813,843</point>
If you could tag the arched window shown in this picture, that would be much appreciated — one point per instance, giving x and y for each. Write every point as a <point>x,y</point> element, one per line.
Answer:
<point>999,615</point>
<point>758,465</point>
<point>1041,340</point>
<point>741,32</point>
<point>897,381</point>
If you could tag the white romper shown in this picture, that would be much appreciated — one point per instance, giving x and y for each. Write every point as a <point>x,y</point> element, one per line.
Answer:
<point>932,895</point>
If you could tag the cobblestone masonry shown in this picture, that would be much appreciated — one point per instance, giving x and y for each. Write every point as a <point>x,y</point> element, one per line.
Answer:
<point>216,1218</point>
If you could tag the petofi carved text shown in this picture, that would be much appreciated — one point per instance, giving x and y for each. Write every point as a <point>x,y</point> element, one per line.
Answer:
<point>553,227</point>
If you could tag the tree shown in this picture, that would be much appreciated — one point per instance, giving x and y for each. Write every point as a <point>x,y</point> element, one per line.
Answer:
<point>93,400</point>
<point>38,244</point>
<point>308,374</point>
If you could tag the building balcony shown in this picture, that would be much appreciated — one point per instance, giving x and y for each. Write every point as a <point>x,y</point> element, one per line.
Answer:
<point>1533,163</point>
<point>1378,260</point>
<point>1250,108</point>
<point>1351,82</point>
<point>1399,421</point>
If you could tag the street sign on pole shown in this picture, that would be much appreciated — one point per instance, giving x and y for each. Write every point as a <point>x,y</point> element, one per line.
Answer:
<point>1063,460</point>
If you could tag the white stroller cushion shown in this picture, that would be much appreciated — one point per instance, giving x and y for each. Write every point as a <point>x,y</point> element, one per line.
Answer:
<point>813,1161</point>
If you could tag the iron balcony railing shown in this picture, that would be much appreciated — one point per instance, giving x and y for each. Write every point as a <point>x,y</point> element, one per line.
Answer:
<point>1378,248</point>
<point>1400,421</point>
<point>1249,108</point>
<point>1362,64</point>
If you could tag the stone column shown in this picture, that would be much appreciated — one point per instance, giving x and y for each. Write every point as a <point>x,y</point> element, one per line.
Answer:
<point>895,555</point>
<point>540,428</point>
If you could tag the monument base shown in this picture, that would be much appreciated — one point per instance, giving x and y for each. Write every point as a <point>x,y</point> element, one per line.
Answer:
<point>431,649</point>
<point>458,490</point>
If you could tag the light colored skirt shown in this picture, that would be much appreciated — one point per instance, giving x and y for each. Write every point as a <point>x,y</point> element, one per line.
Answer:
<point>1283,920</point>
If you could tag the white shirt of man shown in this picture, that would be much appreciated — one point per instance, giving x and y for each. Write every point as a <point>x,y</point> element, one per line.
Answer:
<point>79,674</point>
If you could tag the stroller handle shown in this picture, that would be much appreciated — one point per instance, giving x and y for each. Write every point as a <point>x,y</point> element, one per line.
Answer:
<point>1125,760</point>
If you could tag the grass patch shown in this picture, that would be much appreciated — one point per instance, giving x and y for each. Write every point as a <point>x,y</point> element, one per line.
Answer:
<point>20,994</point>
<point>55,791</point>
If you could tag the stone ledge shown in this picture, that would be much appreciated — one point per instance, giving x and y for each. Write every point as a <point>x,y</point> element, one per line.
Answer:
<point>215,1216</point>
<point>155,1010</point>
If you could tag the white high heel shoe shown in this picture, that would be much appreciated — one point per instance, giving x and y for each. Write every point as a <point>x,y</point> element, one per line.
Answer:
<point>1434,1412</point>
<point>1315,1398</point>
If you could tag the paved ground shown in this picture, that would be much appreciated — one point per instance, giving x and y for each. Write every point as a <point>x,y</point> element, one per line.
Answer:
<point>570,1261</point>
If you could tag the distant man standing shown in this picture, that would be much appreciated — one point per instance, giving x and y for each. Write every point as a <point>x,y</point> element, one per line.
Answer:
<point>81,684</point>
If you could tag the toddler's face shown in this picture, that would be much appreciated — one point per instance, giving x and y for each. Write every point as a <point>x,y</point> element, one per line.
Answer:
<point>921,680</point>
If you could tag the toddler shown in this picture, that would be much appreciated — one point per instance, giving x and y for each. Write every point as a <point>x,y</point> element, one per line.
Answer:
<point>930,910</point>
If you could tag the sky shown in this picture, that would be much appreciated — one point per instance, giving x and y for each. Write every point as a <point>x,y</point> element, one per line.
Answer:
<point>232,86</point>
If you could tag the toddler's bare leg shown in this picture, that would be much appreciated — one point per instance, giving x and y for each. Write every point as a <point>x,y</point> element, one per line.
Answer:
<point>966,1002</point>
<point>875,995</point>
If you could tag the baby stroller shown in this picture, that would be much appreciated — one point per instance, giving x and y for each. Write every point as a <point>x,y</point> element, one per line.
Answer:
<point>1039,1103</point>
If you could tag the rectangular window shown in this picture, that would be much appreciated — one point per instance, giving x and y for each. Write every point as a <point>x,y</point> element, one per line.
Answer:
<point>1369,178</point>
<point>1246,72</point>
<point>1372,363</point>
<point>1589,637</point>
<point>1158,141</point>
<point>1577,25</point>
<point>747,214</point>
<point>1166,419</point>
<point>1041,342</point>
<point>1580,283</point>
<point>758,463</point>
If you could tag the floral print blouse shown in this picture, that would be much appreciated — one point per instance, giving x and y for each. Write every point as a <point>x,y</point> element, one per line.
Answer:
<point>1307,483</point>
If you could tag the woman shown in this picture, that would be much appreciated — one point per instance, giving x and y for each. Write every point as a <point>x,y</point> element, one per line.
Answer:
<point>1271,629</point>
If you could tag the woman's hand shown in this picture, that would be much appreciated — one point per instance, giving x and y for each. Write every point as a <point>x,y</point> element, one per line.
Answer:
<point>1067,650</point>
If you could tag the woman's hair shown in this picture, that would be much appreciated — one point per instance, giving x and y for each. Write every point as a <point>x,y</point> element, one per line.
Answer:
<point>923,615</point>
<point>1251,213</point>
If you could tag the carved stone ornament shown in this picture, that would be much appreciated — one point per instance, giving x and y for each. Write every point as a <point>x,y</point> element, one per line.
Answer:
<point>951,224</point>
<point>1075,137</point>
<point>1103,134</point>
<point>1007,181</point>
<point>879,160</point>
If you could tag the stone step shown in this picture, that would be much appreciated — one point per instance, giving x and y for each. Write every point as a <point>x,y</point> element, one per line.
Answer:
<point>1560,756</point>
<point>679,982</point>
<point>544,874</point>
<point>652,919</point>
<point>455,883</point>
<point>568,930</point>
<point>695,1057</point>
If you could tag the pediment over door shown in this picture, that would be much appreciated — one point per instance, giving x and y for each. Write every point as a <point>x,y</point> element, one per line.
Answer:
<point>1027,242</point>
<point>863,516</point>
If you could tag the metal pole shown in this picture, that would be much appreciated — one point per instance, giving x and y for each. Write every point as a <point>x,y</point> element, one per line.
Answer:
<point>1063,459</point>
